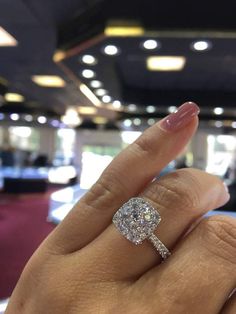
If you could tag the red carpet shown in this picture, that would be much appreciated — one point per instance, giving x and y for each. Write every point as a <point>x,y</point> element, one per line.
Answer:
<point>23,227</point>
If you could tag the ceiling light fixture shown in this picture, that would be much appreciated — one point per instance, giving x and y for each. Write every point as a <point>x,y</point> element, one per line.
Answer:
<point>218,110</point>
<point>116,104</point>
<point>90,95</point>
<point>124,31</point>
<point>201,45</point>
<point>150,44</point>
<point>14,116</point>
<point>233,124</point>
<point>87,110</point>
<point>59,56</point>
<point>95,84</point>
<point>132,107</point>
<point>89,59</point>
<point>13,97</point>
<point>106,99</point>
<point>7,40</point>
<point>137,121</point>
<point>88,73</point>
<point>111,50</point>
<point>127,123</point>
<point>218,124</point>
<point>53,81</point>
<point>151,109</point>
<point>166,63</point>
<point>101,92</point>
<point>100,120</point>
<point>42,120</point>
<point>151,121</point>
<point>28,118</point>
<point>71,118</point>
<point>172,109</point>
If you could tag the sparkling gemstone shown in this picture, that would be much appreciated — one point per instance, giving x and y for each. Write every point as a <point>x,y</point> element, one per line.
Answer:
<point>136,220</point>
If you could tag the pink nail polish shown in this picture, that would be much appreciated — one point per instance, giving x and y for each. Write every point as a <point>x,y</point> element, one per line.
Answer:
<point>175,121</point>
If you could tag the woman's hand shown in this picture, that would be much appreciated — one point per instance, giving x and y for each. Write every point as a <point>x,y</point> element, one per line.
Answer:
<point>87,266</point>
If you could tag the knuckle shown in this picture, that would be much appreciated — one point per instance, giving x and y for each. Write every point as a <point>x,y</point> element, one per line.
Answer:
<point>219,234</point>
<point>172,191</point>
<point>104,192</point>
<point>143,145</point>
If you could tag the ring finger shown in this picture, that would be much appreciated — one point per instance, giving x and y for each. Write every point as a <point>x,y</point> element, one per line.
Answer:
<point>180,198</point>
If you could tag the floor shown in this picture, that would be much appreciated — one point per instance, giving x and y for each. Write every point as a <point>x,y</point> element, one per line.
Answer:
<point>23,227</point>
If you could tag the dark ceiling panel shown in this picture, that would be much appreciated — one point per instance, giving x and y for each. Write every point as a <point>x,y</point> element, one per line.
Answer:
<point>16,12</point>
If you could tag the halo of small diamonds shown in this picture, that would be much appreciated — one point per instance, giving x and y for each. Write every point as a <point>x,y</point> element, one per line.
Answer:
<point>136,220</point>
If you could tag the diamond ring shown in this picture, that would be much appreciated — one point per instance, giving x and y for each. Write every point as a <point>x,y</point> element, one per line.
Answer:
<point>136,220</point>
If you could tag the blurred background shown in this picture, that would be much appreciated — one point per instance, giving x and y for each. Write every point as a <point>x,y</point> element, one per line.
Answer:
<point>81,79</point>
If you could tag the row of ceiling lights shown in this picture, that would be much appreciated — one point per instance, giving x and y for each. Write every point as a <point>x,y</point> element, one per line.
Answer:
<point>150,44</point>
<point>136,122</point>
<point>153,63</point>
<point>29,118</point>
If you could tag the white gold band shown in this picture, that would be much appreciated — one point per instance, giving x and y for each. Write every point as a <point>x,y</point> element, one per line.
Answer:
<point>159,246</point>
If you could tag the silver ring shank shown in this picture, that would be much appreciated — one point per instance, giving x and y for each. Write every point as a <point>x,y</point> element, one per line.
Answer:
<point>159,246</point>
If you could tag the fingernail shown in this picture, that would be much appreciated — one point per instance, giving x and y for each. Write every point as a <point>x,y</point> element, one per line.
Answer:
<point>177,120</point>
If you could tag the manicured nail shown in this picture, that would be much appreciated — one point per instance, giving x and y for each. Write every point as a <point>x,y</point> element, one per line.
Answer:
<point>177,120</point>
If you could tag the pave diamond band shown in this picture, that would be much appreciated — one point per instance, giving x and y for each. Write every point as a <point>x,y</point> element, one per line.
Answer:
<point>136,220</point>
<point>160,247</point>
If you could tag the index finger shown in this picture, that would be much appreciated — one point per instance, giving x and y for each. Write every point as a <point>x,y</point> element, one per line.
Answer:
<point>125,177</point>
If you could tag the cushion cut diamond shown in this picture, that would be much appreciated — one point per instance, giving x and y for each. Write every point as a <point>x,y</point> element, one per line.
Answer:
<point>136,220</point>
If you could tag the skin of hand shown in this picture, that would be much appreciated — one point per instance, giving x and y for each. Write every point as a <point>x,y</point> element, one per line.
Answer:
<point>86,266</point>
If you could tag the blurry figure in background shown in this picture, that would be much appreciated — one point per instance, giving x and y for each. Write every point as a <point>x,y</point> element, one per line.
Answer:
<point>7,156</point>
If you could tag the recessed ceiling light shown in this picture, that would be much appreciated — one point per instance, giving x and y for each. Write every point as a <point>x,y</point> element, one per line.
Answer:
<point>172,109</point>
<point>116,104</point>
<point>71,118</point>
<point>132,107</point>
<point>15,116</point>
<point>167,63</point>
<point>151,121</point>
<point>100,120</point>
<point>101,92</point>
<point>106,99</point>
<point>49,81</point>
<point>95,84</point>
<point>218,110</point>
<point>218,124</point>
<point>7,40</point>
<point>55,123</point>
<point>124,31</point>
<point>111,50</point>
<point>89,59</point>
<point>42,120</point>
<point>127,123</point>
<point>150,109</point>
<point>87,110</point>
<point>137,121</point>
<point>150,44</point>
<point>13,97</point>
<point>234,124</point>
<point>88,73</point>
<point>201,45</point>
<point>90,95</point>
<point>28,118</point>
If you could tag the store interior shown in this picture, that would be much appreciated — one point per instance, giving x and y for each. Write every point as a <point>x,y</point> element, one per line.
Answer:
<point>80,80</point>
